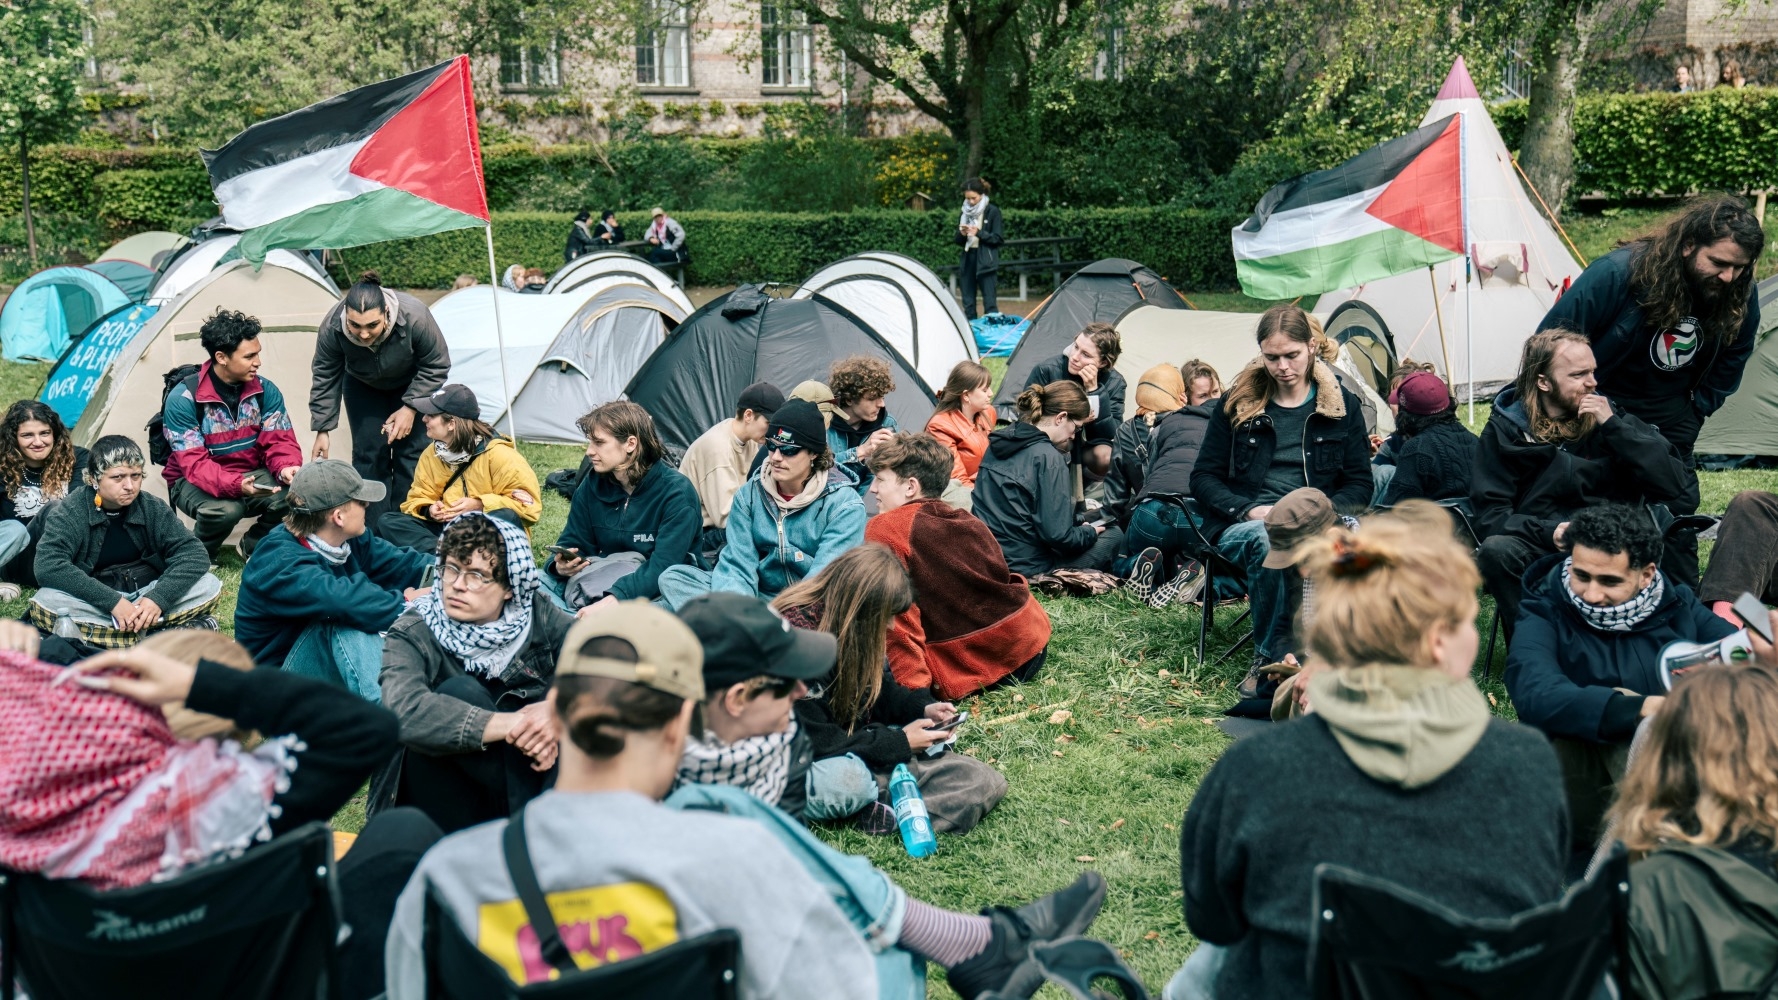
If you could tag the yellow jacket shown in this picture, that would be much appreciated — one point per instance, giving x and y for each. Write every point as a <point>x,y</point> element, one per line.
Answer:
<point>492,477</point>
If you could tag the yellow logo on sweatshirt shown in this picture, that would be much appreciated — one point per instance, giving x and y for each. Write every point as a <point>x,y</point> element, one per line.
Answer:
<point>599,925</point>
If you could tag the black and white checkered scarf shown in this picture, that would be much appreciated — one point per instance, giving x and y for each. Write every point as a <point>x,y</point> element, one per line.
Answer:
<point>758,765</point>
<point>1623,617</point>
<point>487,650</point>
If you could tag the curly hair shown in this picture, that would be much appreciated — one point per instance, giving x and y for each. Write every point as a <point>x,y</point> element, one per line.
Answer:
<point>1614,527</point>
<point>859,377</point>
<point>58,468</point>
<point>464,537</point>
<point>224,331</point>
<point>1660,267</point>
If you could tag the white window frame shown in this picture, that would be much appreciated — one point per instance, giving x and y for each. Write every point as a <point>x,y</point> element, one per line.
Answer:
<point>787,48</point>
<point>1108,62</point>
<point>663,51</point>
<point>539,67</point>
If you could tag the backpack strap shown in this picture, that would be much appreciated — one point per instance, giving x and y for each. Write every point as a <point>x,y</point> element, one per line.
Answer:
<point>524,881</point>
<point>458,474</point>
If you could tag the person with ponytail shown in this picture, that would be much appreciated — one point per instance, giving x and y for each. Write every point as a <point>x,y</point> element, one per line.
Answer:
<point>1022,490</point>
<point>1285,423</point>
<point>979,233</point>
<point>39,464</point>
<point>814,923</point>
<point>379,351</point>
<point>1406,773</point>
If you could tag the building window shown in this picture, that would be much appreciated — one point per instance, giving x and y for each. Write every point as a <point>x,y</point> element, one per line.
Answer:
<point>787,46</point>
<point>663,50</point>
<point>530,67</point>
<point>1108,62</point>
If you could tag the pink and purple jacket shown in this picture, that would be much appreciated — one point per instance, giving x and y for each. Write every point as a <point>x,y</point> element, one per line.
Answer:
<point>213,448</point>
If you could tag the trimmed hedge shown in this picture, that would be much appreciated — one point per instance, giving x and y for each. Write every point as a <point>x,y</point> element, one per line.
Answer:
<point>1189,247</point>
<point>1635,145</point>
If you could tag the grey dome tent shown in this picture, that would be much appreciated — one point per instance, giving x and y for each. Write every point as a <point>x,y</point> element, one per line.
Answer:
<point>599,349</point>
<point>1368,343</point>
<point>906,303</point>
<point>747,336</point>
<point>614,267</point>
<point>1748,423</point>
<point>1101,292</point>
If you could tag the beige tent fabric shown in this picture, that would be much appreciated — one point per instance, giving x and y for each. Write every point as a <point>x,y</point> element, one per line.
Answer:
<point>289,306</point>
<point>142,247</point>
<point>1152,336</point>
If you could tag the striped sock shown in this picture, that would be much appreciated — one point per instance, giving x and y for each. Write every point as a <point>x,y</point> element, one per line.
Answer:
<point>942,936</point>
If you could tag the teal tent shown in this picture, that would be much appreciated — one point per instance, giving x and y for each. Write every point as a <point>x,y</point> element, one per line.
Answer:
<point>49,310</point>
<point>133,278</point>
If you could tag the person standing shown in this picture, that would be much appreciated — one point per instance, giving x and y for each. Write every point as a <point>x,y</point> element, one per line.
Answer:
<point>980,234</point>
<point>379,350</point>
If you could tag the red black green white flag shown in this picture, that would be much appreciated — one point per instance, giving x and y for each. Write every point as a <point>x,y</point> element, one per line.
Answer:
<point>395,159</point>
<point>1388,210</point>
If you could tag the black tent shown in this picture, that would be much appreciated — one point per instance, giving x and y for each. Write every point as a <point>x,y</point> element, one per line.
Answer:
<point>692,380</point>
<point>1101,292</point>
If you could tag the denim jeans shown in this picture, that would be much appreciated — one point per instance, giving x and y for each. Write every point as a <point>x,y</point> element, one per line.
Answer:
<point>15,537</point>
<point>682,583</point>
<point>1196,979</point>
<point>839,787</point>
<point>867,897</point>
<point>1246,545</point>
<point>1154,524</point>
<point>342,656</point>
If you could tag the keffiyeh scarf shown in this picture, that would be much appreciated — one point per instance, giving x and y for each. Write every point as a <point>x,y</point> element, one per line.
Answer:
<point>455,458</point>
<point>758,765</point>
<point>1623,617</point>
<point>487,650</point>
<point>94,786</point>
<point>972,216</point>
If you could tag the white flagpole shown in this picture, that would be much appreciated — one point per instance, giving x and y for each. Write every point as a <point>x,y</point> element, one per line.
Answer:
<point>499,337</point>
<point>1468,260</point>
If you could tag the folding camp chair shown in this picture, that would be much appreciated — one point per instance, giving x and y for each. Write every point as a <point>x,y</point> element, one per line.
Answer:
<point>264,926</point>
<point>1215,565</point>
<point>1373,940</point>
<point>1463,513</point>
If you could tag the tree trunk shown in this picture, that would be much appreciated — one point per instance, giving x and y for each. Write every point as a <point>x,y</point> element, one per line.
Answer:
<point>975,140</point>
<point>30,227</point>
<point>1547,150</point>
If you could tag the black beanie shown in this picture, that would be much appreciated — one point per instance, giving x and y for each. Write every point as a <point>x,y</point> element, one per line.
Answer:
<point>798,422</point>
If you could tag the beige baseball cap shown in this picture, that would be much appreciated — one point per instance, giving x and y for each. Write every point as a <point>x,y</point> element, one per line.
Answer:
<point>670,658</point>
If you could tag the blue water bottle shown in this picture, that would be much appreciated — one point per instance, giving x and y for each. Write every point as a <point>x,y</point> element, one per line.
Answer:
<point>910,813</point>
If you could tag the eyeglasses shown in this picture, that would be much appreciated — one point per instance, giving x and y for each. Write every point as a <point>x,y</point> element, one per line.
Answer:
<point>787,450</point>
<point>779,687</point>
<point>473,579</point>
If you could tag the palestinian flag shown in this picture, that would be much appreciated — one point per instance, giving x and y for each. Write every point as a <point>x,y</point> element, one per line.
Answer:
<point>1387,210</point>
<point>395,159</point>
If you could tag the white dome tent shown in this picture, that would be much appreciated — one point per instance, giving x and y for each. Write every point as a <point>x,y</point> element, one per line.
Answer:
<point>198,259</point>
<point>905,303</point>
<point>613,267</point>
<point>590,361</point>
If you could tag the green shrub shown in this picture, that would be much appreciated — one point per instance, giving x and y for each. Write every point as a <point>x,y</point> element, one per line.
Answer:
<point>61,239</point>
<point>131,200</point>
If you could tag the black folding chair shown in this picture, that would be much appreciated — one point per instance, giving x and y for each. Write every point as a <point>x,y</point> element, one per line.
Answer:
<point>1463,513</point>
<point>1374,940</point>
<point>707,967</point>
<point>265,926</point>
<point>1215,565</point>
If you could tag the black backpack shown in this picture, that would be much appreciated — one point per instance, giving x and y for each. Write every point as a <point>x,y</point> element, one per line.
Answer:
<point>159,449</point>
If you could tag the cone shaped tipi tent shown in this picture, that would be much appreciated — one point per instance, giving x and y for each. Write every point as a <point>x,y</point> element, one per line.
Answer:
<point>1521,265</point>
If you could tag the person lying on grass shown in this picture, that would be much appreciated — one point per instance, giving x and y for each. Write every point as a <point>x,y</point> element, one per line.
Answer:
<point>627,687</point>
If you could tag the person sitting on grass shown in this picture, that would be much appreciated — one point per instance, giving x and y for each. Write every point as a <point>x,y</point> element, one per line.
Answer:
<point>39,465</point>
<point>254,754</point>
<point>1745,557</point>
<point>962,422</point>
<point>792,518</point>
<point>1160,391</point>
<point>1089,362</point>
<point>1695,812</point>
<point>1437,453</point>
<point>720,460</point>
<point>469,468</point>
<point>627,685</point>
<point>973,623</point>
<point>632,517</point>
<point>1554,446</point>
<point>1159,471</point>
<point>232,446</point>
<point>1284,424</point>
<point>321,587</point>
<point>115,563</point>
<point>860,420</point>
<point>1407,774</point>
<point>1023,494</point>
<point>465,670</point>
<point>1584,662</point>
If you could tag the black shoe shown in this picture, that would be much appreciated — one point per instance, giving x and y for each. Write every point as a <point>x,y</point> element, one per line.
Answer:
<point>1249,686</point>
<point>1143,572</point>
<point>1006,965</point>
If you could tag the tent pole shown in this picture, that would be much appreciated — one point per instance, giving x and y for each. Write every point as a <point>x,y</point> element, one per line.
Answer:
<point>1443,346</point>
<point>499,337</point>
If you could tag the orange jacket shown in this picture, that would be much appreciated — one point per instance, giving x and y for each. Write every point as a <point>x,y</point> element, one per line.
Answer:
<point>967,440</point>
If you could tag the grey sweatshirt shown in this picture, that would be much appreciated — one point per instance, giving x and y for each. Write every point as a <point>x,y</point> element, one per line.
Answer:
<point>638,876</point>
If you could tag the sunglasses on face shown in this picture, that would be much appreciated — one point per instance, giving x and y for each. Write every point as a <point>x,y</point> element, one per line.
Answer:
<point>787,450</point>
<point>779,687</point>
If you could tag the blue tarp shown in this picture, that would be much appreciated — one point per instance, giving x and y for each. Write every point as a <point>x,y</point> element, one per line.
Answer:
<point>997,334</point>
<point>51,308</point>
<point>76,380</point>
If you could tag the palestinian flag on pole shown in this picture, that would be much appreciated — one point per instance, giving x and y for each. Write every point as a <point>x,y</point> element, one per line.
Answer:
<point>1390,209</point>
<point>395,159</point>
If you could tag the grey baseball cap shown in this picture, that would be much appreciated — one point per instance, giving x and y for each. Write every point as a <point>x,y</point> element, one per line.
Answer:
<point>326,484</point>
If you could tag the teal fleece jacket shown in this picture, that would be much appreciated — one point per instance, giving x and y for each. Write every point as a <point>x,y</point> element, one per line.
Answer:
<point>287,587</point>
<point>768,549</point>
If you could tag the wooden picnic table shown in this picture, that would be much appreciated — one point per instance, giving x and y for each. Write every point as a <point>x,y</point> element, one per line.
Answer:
<point>1036,261</point>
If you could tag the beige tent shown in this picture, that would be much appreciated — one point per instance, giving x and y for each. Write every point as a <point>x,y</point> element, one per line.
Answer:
<point>1153,336</point>
<point>289,305</point>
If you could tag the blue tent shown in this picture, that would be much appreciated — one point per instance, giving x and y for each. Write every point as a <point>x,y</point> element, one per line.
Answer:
<point>53,307</point>
<point>133,278</point>
<point>76,378</point>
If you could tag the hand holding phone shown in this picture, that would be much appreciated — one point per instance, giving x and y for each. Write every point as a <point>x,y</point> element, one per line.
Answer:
<point>1754,615</point>
<point>952,723</point>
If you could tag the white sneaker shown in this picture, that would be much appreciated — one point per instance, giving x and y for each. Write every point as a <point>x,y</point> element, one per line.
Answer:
<point>9,592</point>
